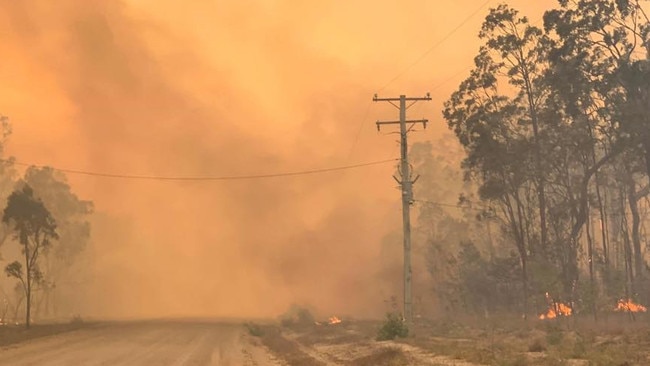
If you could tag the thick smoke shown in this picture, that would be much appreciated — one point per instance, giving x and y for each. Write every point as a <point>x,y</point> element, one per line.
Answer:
<point>221,88</point>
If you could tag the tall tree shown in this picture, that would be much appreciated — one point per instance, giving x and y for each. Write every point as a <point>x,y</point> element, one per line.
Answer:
<point>601,79</point>
<point>71,214</point>
<point>500,128</point>
<point>7,172</point>
<point>554,124</point>
<point>35,229</point>
<point>519,47</point>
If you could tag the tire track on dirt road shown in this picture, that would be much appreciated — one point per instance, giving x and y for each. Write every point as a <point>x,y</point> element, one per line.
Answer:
<point>151,343</point>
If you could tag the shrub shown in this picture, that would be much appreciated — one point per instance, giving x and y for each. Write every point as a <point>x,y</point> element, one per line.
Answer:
<point>554,336</point>
<point>297,316</point>
<point>254,329</point>
<point>536,346</point>
<point>393,327</point>
<point>76,320</point>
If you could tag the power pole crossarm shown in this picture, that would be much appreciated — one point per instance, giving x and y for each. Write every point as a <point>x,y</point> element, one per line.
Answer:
<point>407,188</point>
<point>412,121</point>
<point>377,99</point>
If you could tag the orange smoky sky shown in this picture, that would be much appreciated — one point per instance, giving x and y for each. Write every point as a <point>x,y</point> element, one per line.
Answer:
<point>169,88</point>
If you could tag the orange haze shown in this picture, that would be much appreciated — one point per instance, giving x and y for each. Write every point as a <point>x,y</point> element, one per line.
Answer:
<point>229,88</point>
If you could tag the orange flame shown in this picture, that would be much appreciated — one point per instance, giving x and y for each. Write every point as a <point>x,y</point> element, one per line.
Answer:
<point>555,309</point>
<point>629,306</point>
<point>334,320</point>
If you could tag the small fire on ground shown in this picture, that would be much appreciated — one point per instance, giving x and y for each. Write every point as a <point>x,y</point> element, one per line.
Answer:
<point>333,320</point>
<point>629,306</point>
<point>555,309</point>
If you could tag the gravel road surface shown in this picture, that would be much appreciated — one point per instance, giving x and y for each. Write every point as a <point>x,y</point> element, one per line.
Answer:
<point>143,343</point>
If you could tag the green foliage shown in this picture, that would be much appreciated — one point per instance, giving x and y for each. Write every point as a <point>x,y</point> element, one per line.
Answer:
<point>579,348</point>
<point>76,320</point>
<point>536,346</point>
<point>543,114</point>
<point>393,327</point>
<point>554,336</point>
<point>297,316</point>
<point>15,270</point>
<point>477,286</point>
<point>35,229</point>
<point>29,218</point>
<point>254,329</point>
<point>480,284</point>
<point>70,212</point>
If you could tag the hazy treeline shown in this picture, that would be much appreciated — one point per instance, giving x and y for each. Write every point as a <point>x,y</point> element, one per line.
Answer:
<point>554,120</point>
<point>43,233</point>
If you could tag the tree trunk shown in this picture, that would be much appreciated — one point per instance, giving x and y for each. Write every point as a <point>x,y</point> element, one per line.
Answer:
<point>627,251</point>
<point>29,305</point>
<point>590,256</point>
<point>20,302</point>
<point>646,147</point>
<point>28,288</point>
<point>524,278</point>
<point>601,208</point>
<point>539,176</point>
<point>517,232</point>
<point>636,238</point>
<point>603,225</point>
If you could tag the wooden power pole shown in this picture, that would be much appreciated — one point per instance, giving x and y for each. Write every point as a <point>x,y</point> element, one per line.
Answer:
<point>406,183</point>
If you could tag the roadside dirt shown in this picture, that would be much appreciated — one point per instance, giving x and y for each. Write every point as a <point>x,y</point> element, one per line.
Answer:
<point>346,344</point>
<point>10,334</point>
<point>351,343</point>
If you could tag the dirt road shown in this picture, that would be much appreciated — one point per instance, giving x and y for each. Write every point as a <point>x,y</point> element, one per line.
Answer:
<point>143,343</point>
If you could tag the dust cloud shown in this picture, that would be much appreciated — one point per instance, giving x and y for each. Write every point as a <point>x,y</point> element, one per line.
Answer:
<point>213,88</point>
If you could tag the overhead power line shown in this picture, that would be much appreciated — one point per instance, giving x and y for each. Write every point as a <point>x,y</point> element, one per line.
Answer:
<point>458,73</point>
<point>358,134</point>
<point>451,205</point>
<point>209,178</point>
<point>418,60</point>
<point>436,45</point>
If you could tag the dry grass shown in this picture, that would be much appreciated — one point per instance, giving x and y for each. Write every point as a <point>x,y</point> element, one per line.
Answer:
<point>332,334</point>
<point>286,349</point>
<point>503,341</point>
<point>383,357</point>
<point>617,340</point>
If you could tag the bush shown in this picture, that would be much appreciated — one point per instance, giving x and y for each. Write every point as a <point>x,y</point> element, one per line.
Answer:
<point>297,316</point>
<point>554,336</point>
<point>392,328</point>
<point>536,346</point>
<point>254,329</point>
<point>76,320</point>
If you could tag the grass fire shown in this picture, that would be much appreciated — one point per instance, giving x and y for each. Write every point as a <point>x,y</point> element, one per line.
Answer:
<point>629,306</point>
<point>555,309</point>
<point>333,320</point>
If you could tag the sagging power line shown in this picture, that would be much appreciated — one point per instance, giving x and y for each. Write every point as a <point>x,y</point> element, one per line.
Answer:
<point>437,44</point>
<point>204,178</point>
